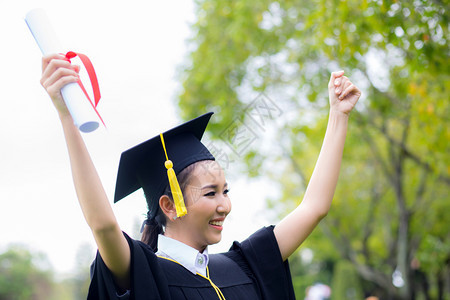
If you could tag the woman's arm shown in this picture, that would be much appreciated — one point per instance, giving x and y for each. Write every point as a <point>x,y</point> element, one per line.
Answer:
<point>297,226</point>
<point>112,245</point>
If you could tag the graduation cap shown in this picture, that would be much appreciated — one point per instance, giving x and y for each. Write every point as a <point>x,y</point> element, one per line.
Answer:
<point>147,164</point>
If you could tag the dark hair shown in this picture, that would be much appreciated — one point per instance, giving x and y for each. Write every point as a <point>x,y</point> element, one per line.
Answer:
<point>156,226</point>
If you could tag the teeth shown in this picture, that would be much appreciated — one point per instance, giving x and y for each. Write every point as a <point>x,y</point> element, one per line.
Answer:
<point>217,223</point>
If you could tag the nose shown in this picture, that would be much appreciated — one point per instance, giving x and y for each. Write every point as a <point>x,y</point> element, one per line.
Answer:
<point>224,205</point>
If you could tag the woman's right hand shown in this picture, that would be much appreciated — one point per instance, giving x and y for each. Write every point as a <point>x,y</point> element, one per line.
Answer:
<point>57,71</point>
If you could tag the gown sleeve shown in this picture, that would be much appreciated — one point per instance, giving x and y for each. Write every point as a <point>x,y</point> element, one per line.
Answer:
<point>146,282</point>
<point>260,257</point>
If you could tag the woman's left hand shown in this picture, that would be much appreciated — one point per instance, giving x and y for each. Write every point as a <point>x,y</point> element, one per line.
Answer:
<point>342,92</point>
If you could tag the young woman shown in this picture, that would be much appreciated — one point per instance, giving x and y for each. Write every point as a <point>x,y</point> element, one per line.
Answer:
<point>175,264</point>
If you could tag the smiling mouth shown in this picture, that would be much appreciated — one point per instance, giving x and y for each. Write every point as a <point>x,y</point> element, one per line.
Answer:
<point>216,223</point>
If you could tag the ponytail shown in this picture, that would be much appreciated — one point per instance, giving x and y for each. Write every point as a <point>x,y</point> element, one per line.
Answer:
<point>150,233</point>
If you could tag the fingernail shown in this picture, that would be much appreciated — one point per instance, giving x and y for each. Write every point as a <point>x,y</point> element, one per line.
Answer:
<point>337,90</point>
<point>337,81</point>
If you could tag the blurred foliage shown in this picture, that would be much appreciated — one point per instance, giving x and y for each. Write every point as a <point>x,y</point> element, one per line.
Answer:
<point>345,284</point>
<point>390,210</point>
<point>80,279</point>
<point>306,273</point>
<point>26,275</point>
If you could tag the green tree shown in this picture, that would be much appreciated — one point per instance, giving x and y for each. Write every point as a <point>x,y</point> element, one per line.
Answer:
<point>24,275</point>
<point>389,214</point>
<point>345,284</point>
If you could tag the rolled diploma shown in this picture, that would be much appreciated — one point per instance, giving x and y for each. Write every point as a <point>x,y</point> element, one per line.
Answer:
<point>82,112</point>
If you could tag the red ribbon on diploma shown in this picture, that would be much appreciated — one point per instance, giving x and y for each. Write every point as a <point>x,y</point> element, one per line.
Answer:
<point>92,77</point>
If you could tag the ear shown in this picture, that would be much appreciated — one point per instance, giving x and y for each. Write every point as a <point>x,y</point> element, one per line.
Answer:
<point>168,207</point>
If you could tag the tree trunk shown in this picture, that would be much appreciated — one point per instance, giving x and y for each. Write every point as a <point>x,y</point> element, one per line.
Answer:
<point>403,266</point>
<point>440,285</point>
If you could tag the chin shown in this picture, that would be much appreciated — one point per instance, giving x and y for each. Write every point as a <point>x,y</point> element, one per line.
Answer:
<point>214,240</point>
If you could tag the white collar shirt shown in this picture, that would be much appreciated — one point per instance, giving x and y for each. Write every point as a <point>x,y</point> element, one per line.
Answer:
<point>188,257</point>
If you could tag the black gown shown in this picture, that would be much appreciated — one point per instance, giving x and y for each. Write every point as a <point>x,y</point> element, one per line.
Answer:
<point>252,269</point>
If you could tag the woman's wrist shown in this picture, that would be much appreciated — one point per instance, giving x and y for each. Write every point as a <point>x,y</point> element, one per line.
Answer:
<point>337,123</point>
<point>338,116</point>
<point>65,117</point>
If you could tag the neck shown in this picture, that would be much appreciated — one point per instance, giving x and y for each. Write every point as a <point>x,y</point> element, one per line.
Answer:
<point>179,237</point>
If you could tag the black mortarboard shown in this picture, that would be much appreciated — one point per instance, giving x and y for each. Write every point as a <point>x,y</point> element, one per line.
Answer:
<point>144,165</point>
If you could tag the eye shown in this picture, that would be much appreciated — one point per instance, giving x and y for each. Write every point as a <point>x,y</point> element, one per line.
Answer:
<point>210,194</point>
<point>226,191</point>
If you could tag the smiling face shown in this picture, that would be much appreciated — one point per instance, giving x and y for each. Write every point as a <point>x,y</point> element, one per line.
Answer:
<point>207,203</point>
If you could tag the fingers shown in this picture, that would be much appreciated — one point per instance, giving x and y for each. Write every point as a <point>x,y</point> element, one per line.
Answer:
<point>58,79</point>
<point>57,71</point>
<point>54,64</point>
<point>335,78</point>
<point>46,59</point>
<point>350,89</point>
<point>343,86</point>
<point>54,71</point>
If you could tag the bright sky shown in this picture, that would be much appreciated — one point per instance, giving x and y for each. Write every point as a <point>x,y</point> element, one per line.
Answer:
<point>136,48</point>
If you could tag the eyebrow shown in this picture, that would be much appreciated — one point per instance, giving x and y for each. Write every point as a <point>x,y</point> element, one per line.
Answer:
<point>214,186</point>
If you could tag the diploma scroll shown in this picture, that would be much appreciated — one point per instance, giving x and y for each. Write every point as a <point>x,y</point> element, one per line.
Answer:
<point>83,113</point>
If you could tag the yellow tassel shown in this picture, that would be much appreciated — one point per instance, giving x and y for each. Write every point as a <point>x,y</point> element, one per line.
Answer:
<point>177,195</point>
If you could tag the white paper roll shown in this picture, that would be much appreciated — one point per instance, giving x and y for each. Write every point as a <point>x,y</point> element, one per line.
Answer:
<point>82,112</point>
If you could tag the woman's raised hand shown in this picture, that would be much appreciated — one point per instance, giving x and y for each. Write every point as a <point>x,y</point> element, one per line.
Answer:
<point>342,92</point>
<point>57,71</point>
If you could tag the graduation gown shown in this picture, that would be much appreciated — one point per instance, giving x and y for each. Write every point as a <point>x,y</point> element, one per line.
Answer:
<point>252,269</point>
